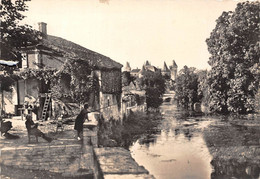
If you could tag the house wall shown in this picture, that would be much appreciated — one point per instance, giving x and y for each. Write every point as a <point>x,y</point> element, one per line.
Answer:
<point>32,87</point>
<point>21,92</point>
<point>173,73</point>
<point>110,107</point>
<point>8,103</point>
<point>32,60</point>
<point>109,104</point>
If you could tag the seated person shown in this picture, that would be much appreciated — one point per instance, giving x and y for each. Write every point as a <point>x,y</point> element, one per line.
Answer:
<point>32,129</point>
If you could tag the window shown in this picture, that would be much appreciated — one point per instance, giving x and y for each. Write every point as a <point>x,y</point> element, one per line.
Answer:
<point>24,60</point>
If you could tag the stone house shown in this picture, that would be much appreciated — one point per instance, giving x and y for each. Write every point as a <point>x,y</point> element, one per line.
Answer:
<point>135,72</point>
<point>52,53</point>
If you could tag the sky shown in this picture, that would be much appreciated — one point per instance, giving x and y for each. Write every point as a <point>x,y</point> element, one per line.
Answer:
<point>134,30</point>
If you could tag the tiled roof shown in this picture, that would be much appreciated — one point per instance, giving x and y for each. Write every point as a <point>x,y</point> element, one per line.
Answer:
<point>72,50</point>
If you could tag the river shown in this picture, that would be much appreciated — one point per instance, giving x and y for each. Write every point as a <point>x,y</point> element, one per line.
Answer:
<point>183,147</point>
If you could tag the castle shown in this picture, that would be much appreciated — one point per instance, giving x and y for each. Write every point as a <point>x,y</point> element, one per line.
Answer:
<point>170,72</point>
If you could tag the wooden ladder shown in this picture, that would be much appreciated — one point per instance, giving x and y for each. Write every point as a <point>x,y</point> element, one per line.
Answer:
<point>46,105</point>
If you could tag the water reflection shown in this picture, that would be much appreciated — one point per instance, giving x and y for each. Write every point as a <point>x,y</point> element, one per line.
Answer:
<point>233,169</point>
<point>177,151</point>
<point>187,145</point>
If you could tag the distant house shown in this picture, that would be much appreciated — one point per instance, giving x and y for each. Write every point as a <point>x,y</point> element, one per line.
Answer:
<point>171,72</point>
<point>150,67</point>
<point>135,72</point>
<point>52,53</point>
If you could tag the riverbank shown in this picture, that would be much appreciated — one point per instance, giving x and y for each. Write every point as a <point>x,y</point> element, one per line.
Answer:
<point>123,133</point>
<point>235,147</point>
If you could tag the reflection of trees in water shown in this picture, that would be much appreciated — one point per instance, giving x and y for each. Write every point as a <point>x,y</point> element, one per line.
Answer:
<point>187,133</point>
<point>235,150</point>
<point>233,169</point>
<point>149,139</point>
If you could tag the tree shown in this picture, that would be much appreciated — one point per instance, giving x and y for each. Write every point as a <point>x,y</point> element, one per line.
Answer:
<point>13,37</point>
<point>234,46</point>
<point>187,87</point>
<point>154,85</point>
<point>127,78</point>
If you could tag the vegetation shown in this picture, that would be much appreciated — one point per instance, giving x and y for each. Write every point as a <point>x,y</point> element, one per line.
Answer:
<point>154,85</point>
<point>117,133</point>
<point>187,88</point>
<point>127,78</point>
<point>13,37</point>
<point>234,45</point>
<point>75,72</point>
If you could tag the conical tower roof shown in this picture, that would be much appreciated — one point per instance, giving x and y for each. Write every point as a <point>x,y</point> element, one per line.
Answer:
<point>165,68</point>
<point>174,64</point>
<point>142,70</point>
<point>127,65</point>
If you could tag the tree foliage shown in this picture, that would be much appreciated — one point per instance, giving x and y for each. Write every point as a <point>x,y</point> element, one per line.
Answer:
<point>81,82</point>
<point>235,50</point>
<point>15,36</point>
<point>127,78</point>
<point>154,85</point>
<point>187,87</point>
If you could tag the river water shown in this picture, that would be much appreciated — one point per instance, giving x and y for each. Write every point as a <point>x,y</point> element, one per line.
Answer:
<point>178,148</point>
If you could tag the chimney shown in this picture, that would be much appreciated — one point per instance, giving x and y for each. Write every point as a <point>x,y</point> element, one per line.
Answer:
<point>43,28</point>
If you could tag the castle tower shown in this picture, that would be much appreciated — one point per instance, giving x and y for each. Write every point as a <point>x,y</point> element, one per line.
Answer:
<point>141,72</point>
<point>173,70</point>
<point>127,67</point>
<point>165,71</point>
<point>147,63</point>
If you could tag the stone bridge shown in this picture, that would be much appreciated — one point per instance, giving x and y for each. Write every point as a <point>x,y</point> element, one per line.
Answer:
<point>169,96</point>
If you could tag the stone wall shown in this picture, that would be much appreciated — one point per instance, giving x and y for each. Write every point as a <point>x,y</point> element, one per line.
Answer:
<point>69,160</point>
<point>109,106</point>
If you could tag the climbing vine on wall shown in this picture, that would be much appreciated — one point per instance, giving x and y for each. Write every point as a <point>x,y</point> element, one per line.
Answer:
<point>76,71</point>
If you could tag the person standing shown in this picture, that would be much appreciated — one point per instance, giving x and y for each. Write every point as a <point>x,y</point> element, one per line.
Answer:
<point>80,120</point>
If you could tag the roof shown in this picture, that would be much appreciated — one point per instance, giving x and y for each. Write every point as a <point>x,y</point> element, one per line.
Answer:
<point>147,63</point>
<point>73,50</point>
<point>135,70</point>
<point>174,64</point>
<point>165,68</point>
<point>127,65</point>
<point>151,68</point>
